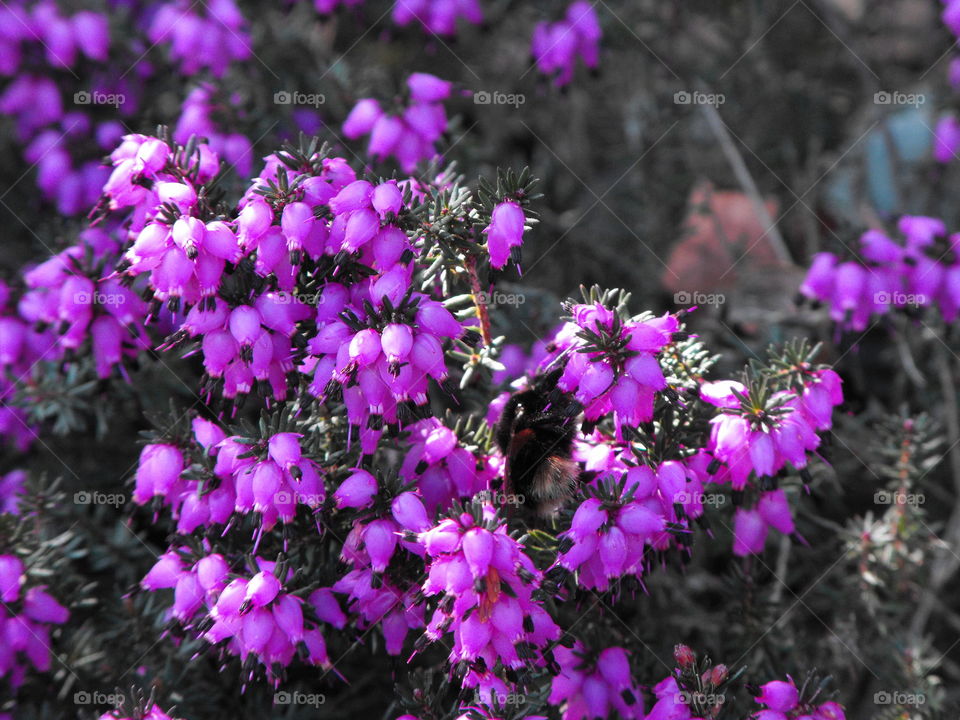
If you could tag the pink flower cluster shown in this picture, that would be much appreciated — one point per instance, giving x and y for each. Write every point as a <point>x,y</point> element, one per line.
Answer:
<point>21,347</point>
<point>781,701</point>
<point>25,622</point>
<point>946,142</point>
<point>63,40</point>
<point>197,118</point>
<point>755,440</point>
<point>556,46</point>
<point>443,469</point>
<point>922,270</point>
<point>379,601</point>
<point>209,40</point>
<point>52,135</point>
<point>270,477</point>
<point>594,685</point>
<point>87,313</point>
<point>438,17</point>
<point>758,443</point>
<point>611,365</point>
<point>607,539</point>
<point>11,488</point>
<point>380,361</point>
<point>153,712</point>
<point>250,616</point>
<point>409,134</point>
<point>246,348</point>
<point>486,584</point>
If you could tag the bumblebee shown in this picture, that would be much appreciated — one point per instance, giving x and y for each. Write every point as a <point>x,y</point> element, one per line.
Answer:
<point>535,433</point>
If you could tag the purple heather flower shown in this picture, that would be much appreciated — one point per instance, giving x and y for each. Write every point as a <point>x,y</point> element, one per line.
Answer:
<point>357,490</point>
<point>749,532</point>
<point>779,695</point>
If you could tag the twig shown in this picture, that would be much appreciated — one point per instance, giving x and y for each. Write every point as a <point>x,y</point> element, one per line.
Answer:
<point>479,299</point>
<point>743,176</point>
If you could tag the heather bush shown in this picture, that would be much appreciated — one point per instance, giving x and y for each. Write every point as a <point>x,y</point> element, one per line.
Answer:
<point>334,385</point>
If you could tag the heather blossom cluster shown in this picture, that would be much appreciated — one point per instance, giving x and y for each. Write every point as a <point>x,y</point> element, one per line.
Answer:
<point>486,584</point>
<point>946,141</point>
<point>410,132</point>
<point>611,364</point>
<point>556,46</point>
<point>757,435</point>
<point>47,52</point>
<point>247,616</point>
<point>197,118</point>
<point>332,293</point>
<point>438,17</point>
<point>211,39</point>
<point>921,270</point>
<point>316,291</point>
<point>591,685</point>
<point>152,712</point>
<point>443,467</point>
<point>270,477</point>
<point>27,619</point>
<point>782,700</point>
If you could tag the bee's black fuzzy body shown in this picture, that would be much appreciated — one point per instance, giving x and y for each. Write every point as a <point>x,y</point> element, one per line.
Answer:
<point>535,433</point>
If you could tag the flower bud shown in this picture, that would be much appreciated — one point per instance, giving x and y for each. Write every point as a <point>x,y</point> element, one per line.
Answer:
<point>684,656</point>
